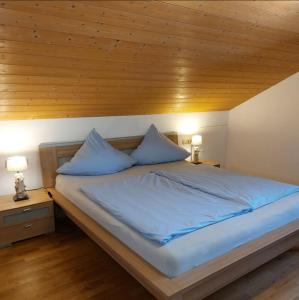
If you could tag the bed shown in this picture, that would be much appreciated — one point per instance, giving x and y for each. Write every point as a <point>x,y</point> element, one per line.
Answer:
<point>190,267</point>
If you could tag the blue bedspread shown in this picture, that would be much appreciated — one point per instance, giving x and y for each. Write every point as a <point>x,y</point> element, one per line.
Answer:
<point>248,190</point>
<point>161,209</point>
<point>164,205</point>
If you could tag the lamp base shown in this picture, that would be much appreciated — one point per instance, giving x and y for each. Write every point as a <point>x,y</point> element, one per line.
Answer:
<point>20,188</point>
<point>20,197</point>
<point>196,162</point>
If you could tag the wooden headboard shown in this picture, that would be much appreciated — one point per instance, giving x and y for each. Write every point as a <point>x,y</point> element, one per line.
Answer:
<point>52,153</point>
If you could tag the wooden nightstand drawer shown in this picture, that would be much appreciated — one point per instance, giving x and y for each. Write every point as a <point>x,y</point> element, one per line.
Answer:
<point>26,214</point>
<point>25,219</point>
<point>26,230</point>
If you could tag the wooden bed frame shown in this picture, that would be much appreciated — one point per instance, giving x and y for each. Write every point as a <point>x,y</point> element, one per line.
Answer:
<point>194,284</point>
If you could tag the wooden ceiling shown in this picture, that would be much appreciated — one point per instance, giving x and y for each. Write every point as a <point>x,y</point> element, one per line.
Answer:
<point>73,59</point>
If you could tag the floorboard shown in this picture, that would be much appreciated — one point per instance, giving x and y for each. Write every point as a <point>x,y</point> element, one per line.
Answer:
<point>68,265</point>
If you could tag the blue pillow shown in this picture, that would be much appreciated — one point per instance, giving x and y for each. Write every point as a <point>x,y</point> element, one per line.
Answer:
<point>96,157</point>
<point>157,148</point>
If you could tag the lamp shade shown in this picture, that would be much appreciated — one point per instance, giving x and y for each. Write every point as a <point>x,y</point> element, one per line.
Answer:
<point>16,164</point>
<point>196,140</point>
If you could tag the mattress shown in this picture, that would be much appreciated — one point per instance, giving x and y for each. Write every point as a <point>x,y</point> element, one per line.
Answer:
<point>190,250</point>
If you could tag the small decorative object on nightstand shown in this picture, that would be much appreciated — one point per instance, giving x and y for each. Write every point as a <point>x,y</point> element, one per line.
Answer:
<point>18,164</point>
<point>25,219</point>
<point>195,144</point>
<point>207,162</point>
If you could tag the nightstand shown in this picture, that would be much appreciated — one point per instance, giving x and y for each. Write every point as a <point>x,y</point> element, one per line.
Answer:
<point>207,162</point>
<point>25,219</point>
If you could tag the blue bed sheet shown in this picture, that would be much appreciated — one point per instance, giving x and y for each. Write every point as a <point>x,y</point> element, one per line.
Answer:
<point>161,209</point>
<point>164,205</point>
<point>248,190</point>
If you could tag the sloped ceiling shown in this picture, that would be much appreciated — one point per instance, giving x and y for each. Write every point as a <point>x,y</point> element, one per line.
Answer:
<point>72,59</point>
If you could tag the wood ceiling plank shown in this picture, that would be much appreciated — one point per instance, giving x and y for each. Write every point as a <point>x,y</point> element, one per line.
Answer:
<point>129,84</point>
<point>122,101</point>
<point>122,92</point>
<point>100,108</point>
<point>138,90</point>
<point>144,80</point>
<point>86,79</point>
<point>59,114</point>
<point>7,69</point>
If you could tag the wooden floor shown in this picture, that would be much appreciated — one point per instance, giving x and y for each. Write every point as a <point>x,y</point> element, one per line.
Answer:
<point>68,265</point>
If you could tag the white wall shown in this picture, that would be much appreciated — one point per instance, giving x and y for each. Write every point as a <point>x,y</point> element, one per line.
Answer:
<point>23,137</point>
<point>263,133</point>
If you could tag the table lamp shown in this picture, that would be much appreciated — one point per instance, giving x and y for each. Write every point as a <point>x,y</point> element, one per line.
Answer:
<point>18,164</point>
<point>195,143</point>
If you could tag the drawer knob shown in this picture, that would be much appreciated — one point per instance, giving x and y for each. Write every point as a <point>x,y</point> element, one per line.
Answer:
<point>26,209</point>
<point>28,226</point>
